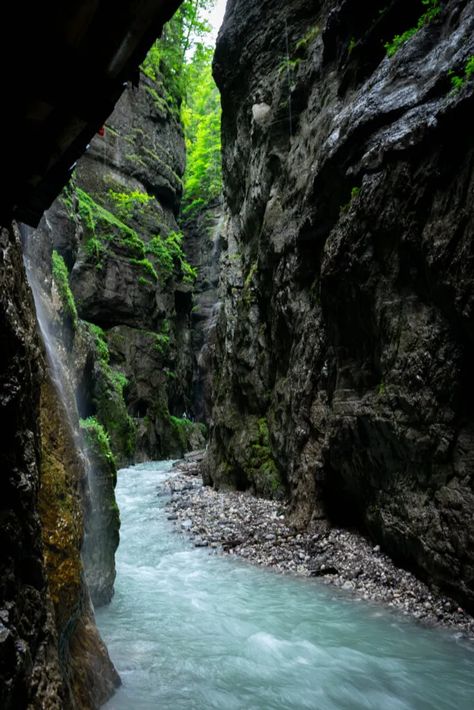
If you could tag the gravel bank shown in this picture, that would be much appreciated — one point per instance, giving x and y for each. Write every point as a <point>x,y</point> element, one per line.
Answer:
<point>255,529</point>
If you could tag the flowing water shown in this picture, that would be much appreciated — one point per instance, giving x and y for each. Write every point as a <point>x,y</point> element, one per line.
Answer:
<point>56,363</point>
<point>187,629</point>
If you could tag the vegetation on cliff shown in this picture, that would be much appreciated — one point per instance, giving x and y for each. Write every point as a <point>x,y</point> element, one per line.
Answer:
<point>201,115</point>
<point>432,10</point>
<point>61,279</point>
<point>183,58</point>
<point>97,438</point>
<point>130,269</point>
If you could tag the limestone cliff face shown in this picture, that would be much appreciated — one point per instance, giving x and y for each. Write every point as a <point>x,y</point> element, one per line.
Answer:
<point>28,652</point>
<point>130,275</point>
<point>74,352</point>
<point>45,612</point>
<point>122,334</point>
<point>343,367</point>
<point>51,655</point>
<point>89,677</point>
<point>203,243</point>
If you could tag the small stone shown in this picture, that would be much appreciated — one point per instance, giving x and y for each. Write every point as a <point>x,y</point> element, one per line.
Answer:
<point>200,543</point>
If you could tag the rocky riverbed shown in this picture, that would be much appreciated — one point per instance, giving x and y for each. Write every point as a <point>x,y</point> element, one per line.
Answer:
<point>256,530</point>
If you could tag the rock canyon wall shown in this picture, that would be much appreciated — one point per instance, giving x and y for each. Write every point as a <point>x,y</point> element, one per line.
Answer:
<point>343,362</point>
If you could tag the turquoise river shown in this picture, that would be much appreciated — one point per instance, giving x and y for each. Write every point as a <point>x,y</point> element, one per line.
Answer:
<point>188,629</point>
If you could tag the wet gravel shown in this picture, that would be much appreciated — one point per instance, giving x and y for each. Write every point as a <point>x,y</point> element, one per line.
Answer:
<point>256,530</point>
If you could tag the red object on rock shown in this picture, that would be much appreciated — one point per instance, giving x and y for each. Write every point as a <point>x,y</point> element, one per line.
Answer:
<point>101,131</point>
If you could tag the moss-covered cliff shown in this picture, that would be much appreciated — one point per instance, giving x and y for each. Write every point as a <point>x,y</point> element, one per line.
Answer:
<point>130,278</point>
<point>89,677</point>
<point>347,318</point>
<point>46,616</point>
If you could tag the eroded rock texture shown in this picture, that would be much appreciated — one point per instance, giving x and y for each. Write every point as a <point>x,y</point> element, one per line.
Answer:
<point>73,353</point>
<point>45,616</point>
<point>26,636</point>
<point>345,343</point>
<point>130,275</point>
<point>203,243</point>
<point>89,676</point>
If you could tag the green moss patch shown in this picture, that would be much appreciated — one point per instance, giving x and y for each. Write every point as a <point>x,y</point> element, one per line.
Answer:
<point>97,439</point>
<point>433,9</point>
<point>61,279</point>
<point>109,399</point>
<point>103,226</point>
<point>457,81</point>
<point>169,255</point>
<point>262,469</point>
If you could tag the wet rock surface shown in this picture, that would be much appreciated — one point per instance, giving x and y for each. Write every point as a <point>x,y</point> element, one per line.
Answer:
<point>259,531</point>
<point>51,655</point>
<point>29,661</point>
<point>130,353</point>
<point>90,678</point>
<point>343,357</point>
<point>128,283</point>
<point>203,242</point>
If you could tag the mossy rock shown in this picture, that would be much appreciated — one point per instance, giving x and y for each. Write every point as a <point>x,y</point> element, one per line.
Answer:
<point>250,462</point>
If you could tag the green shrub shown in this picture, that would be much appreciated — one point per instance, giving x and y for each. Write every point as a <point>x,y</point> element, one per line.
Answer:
<point>145,282</point>
<point>147,266</point>
<point>263,470</point>
<point>469,68</point>
<point>162,254</point>
<point>61,279</point>
<point>355,191</point>
<point>183,429</point>
<point>309,37</point>
<point>162,339</point>
<point>120,381</point>
<point>168,253</point>
<point>128,203</point>
<point>97,438</point>
<point>457,82</point>
<point>100,340</point>
<point>433,9</point>
<point>104,226</point>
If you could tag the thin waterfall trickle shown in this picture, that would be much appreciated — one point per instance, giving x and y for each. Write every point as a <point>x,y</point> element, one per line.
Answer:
<point>56,357</point>
<point>101,513</point>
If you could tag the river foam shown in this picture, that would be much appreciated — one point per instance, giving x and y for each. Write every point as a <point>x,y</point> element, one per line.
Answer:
<point>190,629</point>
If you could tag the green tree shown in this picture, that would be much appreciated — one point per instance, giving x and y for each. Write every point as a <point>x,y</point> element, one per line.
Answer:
<point>201,115</point>
<point>182,61</point>
<point>168,55</point>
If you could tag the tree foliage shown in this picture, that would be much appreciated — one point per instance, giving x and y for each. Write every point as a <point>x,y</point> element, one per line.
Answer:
<point>201,115</point>
<point>169,55</point>
<point>182,60</point>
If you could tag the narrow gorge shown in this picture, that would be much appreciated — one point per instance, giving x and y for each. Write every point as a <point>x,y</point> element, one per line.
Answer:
<point>273,272</point>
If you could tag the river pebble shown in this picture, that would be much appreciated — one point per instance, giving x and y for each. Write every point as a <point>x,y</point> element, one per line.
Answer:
<point>256,529</point>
